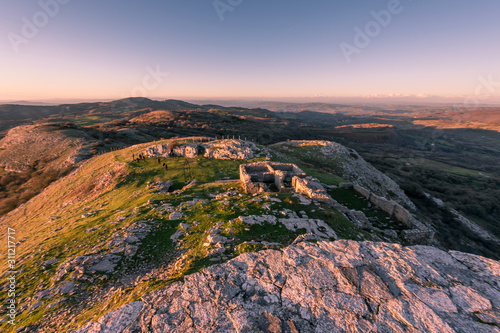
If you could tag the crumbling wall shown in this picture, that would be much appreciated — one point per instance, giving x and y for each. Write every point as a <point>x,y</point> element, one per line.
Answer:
<point>363,191</point>
<point>384,204</point>
<point>346,186</point>
<point>417,235</point>
<point>311,188</point>
<point>255,176</point>
<point>289,168</point>
<point>418,232</point>
<point>279,180</point>
<point>402,215</point>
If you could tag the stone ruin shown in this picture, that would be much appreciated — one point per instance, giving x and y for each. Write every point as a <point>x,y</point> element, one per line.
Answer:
<point>286,177</point>
<point>418,231</point>
<point>259,177</point>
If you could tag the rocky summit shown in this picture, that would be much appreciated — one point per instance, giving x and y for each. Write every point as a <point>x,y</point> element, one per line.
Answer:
<point>223,235</point>
<point>341,286</point>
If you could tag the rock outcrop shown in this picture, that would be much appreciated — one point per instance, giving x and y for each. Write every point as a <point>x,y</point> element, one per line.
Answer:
<point>341,286</point>
<point>219,149</point>
<point>24,146</point>
<point>230,150</point>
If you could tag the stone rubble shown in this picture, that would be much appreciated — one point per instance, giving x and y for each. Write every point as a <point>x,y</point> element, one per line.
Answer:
<point>185,188</point>
<point>122,242</point>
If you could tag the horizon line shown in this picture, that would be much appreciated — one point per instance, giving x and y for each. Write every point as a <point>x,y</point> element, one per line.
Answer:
<point>350,100</point>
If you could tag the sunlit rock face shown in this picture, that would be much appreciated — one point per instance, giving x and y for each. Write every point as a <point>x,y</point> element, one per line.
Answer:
<point>341,286</point>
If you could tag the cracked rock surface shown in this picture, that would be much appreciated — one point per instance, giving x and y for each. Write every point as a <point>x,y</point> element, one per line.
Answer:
<point>341,286</point>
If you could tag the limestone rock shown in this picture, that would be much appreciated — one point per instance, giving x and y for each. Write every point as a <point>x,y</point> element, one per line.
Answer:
<point>255,219</point>
<point>106,265</point>
<point>341,286</point>
<point>160,186</point>
<point>81,265</point>
<point>178,234</point>
<point>121,241</point>
<point>189,151</point>
<point>303,200</point>
<point>115,321</point>
<point>175,216</point>
<point>24,145</point>
<point>230,150</point>
<point>359,218</point>
<point>314,226</point>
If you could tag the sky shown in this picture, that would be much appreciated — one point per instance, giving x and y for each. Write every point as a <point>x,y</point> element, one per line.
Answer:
<point>444,50</point>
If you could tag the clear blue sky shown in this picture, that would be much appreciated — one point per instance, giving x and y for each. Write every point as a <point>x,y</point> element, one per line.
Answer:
<point>278,49</point>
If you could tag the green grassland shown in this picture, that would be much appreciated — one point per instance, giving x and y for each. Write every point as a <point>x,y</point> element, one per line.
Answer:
<point>90,120</point>
<point>310,160</point>
<point>444,167</point>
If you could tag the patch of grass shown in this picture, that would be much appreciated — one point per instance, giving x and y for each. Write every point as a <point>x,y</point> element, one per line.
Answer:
<point>306,159</point>
<point>444,167</point>
<point>90,120</point>
<point>248,247</point>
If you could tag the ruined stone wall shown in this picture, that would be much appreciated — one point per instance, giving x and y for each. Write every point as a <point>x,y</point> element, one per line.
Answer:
<point>298,171</point>
<point>418,232</point>
<point>402,215</point>
<point>363,191</point>
<point>417,235</point>
<point>246,180</point>
<point>279,178</point>
<point>253,175</point>
<point>382,203</point>
<point>257,167</point>
<point>310,188</point>
<point>264,177</point>
<point>300,186</point>
<point>265,172</point>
